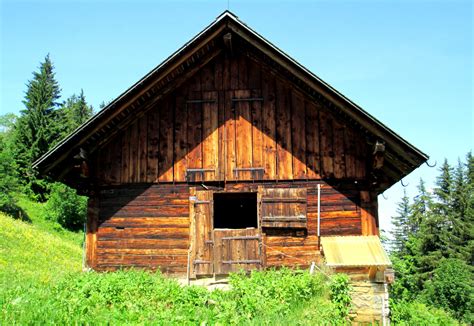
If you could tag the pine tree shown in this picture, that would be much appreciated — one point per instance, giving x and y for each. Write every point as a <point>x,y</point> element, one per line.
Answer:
<point>444,189</point>
<point>469,235</point>
<point>72,114</point>
<point>419,208</point>
<point>33,131</point>
<point>428,235</point>
<point>401,226</point>
<point>463,210</point>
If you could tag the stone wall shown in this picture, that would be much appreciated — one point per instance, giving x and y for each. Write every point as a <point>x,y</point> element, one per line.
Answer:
<point>369,301</point>
<point>369,297</point>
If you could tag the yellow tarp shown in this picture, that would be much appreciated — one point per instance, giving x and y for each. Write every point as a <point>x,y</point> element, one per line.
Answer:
<point>354,251</point>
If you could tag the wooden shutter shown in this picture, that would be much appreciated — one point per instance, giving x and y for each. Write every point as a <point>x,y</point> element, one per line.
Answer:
<point>284,208</point>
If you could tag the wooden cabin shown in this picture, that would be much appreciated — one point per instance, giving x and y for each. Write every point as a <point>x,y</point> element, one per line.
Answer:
<point>229,155</point>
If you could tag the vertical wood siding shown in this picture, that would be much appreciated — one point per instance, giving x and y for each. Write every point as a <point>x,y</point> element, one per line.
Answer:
<point>199,126</point>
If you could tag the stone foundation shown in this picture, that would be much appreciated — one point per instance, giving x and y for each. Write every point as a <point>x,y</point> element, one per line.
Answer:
<point>369,301</point>
<point>369,297</point>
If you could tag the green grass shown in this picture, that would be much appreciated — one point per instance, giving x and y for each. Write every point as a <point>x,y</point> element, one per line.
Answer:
<point>36,213</point>
<point>28,252</point>
<point>41,282</point>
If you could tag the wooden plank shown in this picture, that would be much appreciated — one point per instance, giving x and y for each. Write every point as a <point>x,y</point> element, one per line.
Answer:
<point>142,148</point>
<point>243,72</point>
<point>145,190</point>
<point>134,156</point>
<point>312,141</point>
<point>125,176</point>
<point>165,161</point>
<point>368,220</point>
<point>202,234</point>
<point>116,167</point>
<point>137,211</point>
<point>361,154</point>
<point>255,75</point>
<point>219,253</point>
<point>143,243</point>
<point>230,159</point>
<point>207,77</point>
<point>219,85</point>
<point>326,139</point>
<point>339,151</point>
<point>257,130</point>
<point>298,133</point>
<point>153,222</point>
<point>135,232</point>
<point>195,117</point>
<point>192,233</point>
<point>91,232</point>
<point>106,158</point>
<point>336,214</point>
<point>210,143</point>
<point>179,270</point>
<point>153,145</point>
<point>151,200</point>
<point>111,252</point>
<point>180,139</point>
<point>341,226</point>
<point>234,73</point>
<point>243,134</point>
<point>218,72</point>
<point>283,127</point>
<point>349,146</point>
<point>221,134</point>
<point>268,126</point>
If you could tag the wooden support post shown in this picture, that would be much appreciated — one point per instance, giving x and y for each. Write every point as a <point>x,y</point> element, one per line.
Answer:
<point>368,213</point>
<point>91,232</point>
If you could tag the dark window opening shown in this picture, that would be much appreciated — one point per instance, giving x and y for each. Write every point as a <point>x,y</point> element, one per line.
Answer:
<point>235,210</point>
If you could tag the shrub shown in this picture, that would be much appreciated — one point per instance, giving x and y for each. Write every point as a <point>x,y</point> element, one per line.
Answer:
<point>272,297</point>
<point>451,289</point>
<point>340,293</point>
<point>8,182</point>
<point>417,313</point>
<point>66,207</point>
<point>273,291</point>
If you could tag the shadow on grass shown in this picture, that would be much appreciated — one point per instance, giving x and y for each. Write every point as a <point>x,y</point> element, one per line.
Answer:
<point>16,212</point>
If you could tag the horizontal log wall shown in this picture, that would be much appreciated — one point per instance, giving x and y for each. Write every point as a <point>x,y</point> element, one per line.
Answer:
<point>148,226</point>
<point>340,215</point>
<point>210,123</point>
<point>145,227</point>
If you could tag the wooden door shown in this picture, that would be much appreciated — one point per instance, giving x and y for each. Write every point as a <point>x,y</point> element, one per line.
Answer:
<point>237,249</point>
<point>201,211</point>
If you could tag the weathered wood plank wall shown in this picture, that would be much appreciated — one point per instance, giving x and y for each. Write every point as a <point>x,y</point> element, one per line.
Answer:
<point>148,226</point>
<point>234,113</point>
<point>142,226</point>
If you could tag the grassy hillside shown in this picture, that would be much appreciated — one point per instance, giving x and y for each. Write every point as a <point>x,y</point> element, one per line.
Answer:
<point>27,251</point>
<point>41,283</point>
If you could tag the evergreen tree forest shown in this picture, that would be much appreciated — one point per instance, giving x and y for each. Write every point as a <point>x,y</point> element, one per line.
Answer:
<point>44,120</point>
<point>432,245</point>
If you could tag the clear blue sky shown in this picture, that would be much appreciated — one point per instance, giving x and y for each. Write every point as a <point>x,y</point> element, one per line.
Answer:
<point>408,63</point>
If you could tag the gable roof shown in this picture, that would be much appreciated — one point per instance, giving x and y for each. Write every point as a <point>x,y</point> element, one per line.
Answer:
<point>403,157</point>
